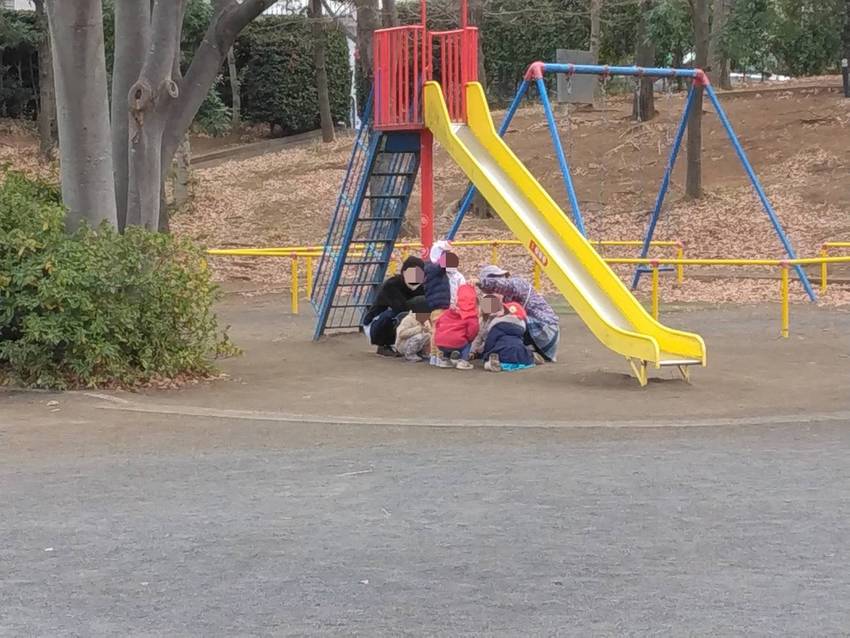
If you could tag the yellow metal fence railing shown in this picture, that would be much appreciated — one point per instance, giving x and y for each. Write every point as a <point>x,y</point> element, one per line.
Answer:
<point>309,253</point>
<point>825,249</point>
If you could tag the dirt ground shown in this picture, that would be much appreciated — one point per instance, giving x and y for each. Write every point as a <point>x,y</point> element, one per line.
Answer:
<point>284,376</point>
<point>795,138</point>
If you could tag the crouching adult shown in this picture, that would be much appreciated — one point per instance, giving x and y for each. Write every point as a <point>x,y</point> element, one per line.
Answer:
<point>396,295</point>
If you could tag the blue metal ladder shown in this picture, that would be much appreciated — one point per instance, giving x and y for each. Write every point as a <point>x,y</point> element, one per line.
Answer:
<point>364,227</point>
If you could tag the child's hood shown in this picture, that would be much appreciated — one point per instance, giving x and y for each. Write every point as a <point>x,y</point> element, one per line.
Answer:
<point>467,301</point>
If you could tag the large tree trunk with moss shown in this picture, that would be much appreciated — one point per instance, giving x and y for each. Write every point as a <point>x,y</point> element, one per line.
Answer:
<point>319,49</point>
<point>643,107</point>
<point>85,148</point>
<point>389,14</point>
<point>46,93</point>
<point>693,186</point>
<point>132,36</point>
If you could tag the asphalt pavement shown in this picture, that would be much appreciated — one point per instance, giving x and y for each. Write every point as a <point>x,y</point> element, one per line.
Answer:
<point>204,527</point>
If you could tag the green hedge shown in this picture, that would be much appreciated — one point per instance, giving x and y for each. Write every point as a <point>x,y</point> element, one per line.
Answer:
<point>97,307</point>
<point>275,55</point>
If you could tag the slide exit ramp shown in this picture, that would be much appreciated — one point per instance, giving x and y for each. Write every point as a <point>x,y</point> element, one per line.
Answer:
<point>589,285</point>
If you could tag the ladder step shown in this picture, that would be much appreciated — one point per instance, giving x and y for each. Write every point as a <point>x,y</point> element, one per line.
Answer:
<point>379,219</point>
<point>366,262</point>
<point>360,284</point>
<point>384,196</point>
<point>382,174</point>
<point>353,305</point>
<point>373,241</point>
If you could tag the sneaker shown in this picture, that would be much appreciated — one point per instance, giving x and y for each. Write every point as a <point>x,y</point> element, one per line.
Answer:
<point>493,364</point>
<point>442,362</point>
<point>387,351</point>
<point>455,356</point>
<point>413,358</point>
<point>463,364</point>
<point>433,360</point>
<point>538,359</point>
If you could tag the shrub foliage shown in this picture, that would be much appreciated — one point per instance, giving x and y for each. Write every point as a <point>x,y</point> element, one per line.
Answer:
<point>96,307</point>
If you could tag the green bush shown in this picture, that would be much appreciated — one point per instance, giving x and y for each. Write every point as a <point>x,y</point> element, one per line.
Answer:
<point>214,117</point>
<point>275,54</point>
<point>96,307</point>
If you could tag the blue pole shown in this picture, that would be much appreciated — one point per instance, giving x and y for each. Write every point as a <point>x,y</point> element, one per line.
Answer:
<point>599,69</point>
<point>559,153</point>
<point>503,128</point>
<point>768,208</point>
<point>665,182</point>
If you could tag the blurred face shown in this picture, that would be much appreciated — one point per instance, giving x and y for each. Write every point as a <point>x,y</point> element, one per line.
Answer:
<point>491,304</point>
<point>414,277</point>
<point>450,261</point>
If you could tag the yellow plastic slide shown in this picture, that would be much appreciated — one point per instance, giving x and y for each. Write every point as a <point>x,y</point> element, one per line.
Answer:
<point>599,297</point>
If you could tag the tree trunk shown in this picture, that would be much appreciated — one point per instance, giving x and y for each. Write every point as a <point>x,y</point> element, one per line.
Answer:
<point>643,107</point>
<point>476,19</point>
<point>85,151</point>
<point>846,34</point>
<point>718,61</point>
<point>235,91</point>
<point>132,36</point>
<point>151,98</point>
<point>595,30</point>
<point>319,37</point>
<point>182,173</point>
<point>389,14</point>
<point>367,22</point>
<point>46,91</point>
<point>699,12</point>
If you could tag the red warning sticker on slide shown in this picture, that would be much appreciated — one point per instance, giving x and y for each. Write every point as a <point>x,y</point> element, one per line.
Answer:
<point>538,253</point>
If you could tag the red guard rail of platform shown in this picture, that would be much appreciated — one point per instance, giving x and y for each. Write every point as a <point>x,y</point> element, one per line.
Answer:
<point>404,62</point>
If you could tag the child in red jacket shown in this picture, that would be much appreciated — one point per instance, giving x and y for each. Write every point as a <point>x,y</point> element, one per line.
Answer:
<point>456,328</point>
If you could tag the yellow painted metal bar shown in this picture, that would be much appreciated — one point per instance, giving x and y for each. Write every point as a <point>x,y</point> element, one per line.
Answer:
<point>655,287</point>
<point>785,300</point>
<point>536,277</point>
<point>309,283</point>
<point>824,267</point>
<point>293,285</point>
<point>601,299</point>
<point>680,269</point>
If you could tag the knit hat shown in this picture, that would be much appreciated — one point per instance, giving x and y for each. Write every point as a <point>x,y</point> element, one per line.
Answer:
<point>492,271</point>
<point>513,308</point>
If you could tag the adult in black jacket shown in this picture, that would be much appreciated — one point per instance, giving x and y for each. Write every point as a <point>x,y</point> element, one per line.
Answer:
<point>394,297</point>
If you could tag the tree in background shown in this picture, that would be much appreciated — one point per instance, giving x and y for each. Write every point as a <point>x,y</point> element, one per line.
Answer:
<point>643,108</point>
<point>367,21</point>
<point>718,56</point>
<point>319,52</point>
<point>47,134</point>
<point>700,16</point>
<point>159,105</point>
<point>389,14</point>
<point>808,35</point>
<point>595,28</point>
<point>671,29</point>
<point>748,35</point>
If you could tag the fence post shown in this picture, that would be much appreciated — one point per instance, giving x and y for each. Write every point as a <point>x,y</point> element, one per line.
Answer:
<point>655,282</point>
<point>536,276</point>
<point>824,252</point>
<point>308,284</point>
<point>494,253</point>
<point>680,268</point>
<point>785,294</point>
<point>293,284</point>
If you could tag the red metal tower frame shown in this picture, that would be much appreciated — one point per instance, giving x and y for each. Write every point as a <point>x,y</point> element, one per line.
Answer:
<point>403,62</point>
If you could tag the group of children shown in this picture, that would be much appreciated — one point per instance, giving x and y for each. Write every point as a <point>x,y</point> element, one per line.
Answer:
<point>430,313</point>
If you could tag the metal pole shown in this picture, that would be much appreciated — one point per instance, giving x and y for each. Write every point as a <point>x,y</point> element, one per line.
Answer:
<point>785,312</point>
<point>768,208</point>
<point>845,73</point>
<point>655,286</point>
<point>470,191</point>
<point>602,69</point>
<point>293,285</point>
<point>559,153</point>
<point>824,252</point>
<point>426,185</point>
<point>665,182</point>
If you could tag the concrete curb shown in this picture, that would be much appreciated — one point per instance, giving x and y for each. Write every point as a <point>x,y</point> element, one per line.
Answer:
<point>108,402</point>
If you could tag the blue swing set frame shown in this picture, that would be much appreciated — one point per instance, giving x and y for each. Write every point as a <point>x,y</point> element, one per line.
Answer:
<point>698,79</point>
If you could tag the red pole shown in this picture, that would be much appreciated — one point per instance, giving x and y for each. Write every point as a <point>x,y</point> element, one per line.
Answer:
<point>426,143</point>
<point>423,14</point>
<point>463,13</point>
